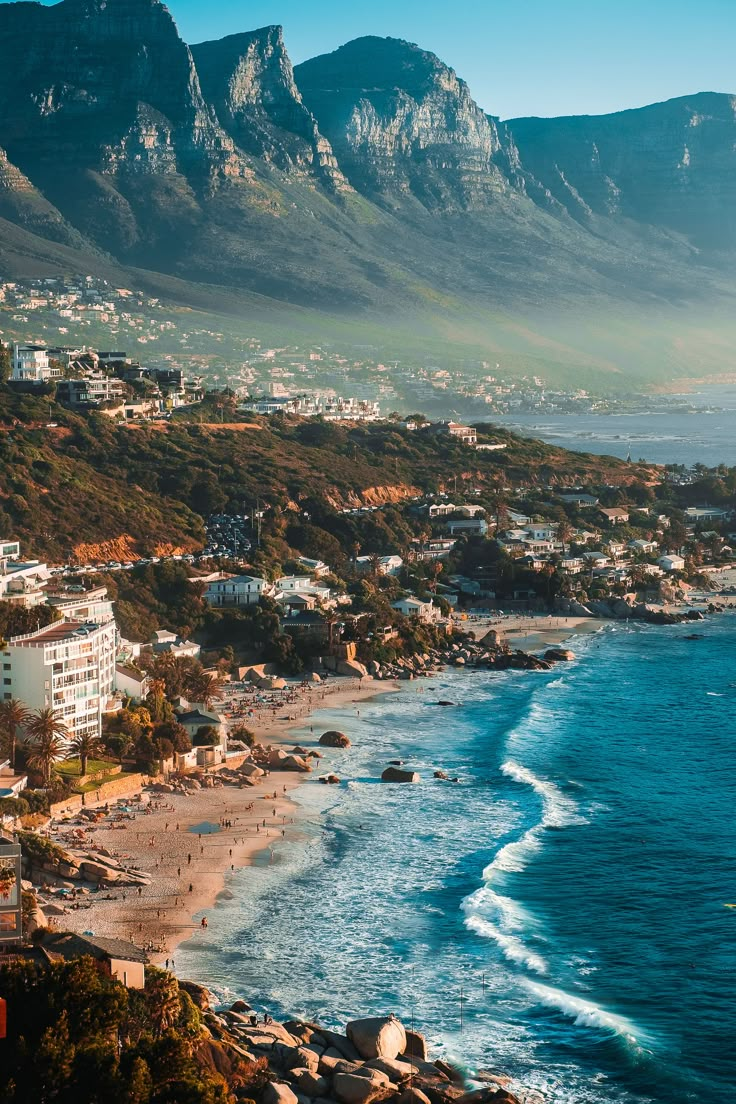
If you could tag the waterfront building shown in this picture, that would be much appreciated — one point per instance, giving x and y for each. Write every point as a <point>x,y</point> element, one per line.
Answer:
<point>68,667</point>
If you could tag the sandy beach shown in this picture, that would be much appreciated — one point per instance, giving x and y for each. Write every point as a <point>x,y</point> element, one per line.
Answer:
<point>189,843</point>
<point>531,632</point>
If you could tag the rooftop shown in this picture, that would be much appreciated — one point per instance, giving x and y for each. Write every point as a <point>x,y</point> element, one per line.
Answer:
<point>55,634</point>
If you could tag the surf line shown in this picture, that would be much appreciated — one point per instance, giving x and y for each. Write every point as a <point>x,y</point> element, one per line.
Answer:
<point>488,912</point>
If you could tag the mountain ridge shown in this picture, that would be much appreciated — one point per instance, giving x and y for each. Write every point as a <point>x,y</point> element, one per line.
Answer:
<point>364,182</point>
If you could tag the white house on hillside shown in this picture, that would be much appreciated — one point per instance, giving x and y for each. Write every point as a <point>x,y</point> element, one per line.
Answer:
<point>671,562</point>
<point>241,590</point>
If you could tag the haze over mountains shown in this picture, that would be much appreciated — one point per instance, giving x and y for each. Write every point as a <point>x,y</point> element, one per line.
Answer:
<point>366,182</point>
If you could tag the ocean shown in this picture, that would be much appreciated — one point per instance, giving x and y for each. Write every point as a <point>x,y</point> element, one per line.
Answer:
<point>558,914</point>
<point>705,436</point>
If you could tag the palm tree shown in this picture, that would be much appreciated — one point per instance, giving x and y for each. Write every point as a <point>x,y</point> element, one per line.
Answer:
<point>565,534</point>
<point>84,746</point>
<point>13,716</point>
<point>46,741</point>
<point>205,688</point>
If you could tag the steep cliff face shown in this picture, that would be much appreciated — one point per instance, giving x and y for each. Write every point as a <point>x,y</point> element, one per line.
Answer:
<point>24,205</point>
<point>403,124</point>
<point>671,166</point>
<point>94,96</point>
<point>249,80</point>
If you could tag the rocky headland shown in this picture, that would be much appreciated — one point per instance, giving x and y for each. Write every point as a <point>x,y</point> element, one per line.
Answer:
<point>297,1062</point>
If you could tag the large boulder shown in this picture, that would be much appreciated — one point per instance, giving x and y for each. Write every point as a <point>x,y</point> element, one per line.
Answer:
<point>309,1083</point>
<point>396,774</point>
<point>395,1070</point>
<point>378,1037</point>
<point>296,763</point>
<point>341,1044</point>
<point>359,1088</point>
<point>352,668</point>
<point>559,655</point>
<point>276,1092</point>
<point>413,1095</point>
<point>416,1046</point>
<point>334,740</point>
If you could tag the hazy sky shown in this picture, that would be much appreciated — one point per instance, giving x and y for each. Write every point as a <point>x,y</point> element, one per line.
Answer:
<point>520,57</point>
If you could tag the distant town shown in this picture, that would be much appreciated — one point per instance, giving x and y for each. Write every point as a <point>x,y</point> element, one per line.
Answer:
<point>78,313</point>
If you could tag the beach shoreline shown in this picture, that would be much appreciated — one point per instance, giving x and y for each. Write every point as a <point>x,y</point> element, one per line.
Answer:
<point>189,869</point>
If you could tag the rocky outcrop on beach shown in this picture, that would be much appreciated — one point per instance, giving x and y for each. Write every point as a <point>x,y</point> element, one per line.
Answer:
<point>626,609</point>
<point>376,1059</point>
<point>334,740</point>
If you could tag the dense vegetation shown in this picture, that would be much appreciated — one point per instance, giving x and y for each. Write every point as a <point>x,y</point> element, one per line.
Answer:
<point>75,1035</point>
<point>68,482</point>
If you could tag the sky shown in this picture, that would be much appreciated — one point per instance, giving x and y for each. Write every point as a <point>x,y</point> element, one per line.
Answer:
<point>520,57</point>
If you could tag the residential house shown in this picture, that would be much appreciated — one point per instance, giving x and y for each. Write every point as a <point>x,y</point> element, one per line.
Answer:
<point>164,641</point>
<point>615,515</point>
<point>582,501</point>
<point>314,567</point>
<point>385,565</point>
<point>476,526</point>
<point>119,959</point>
<point>671,562</point>
<point>75,603</point>
<point>465,434</point>
<point>414,607</point>
<point>21,582</point>
<point>132,682</point>
<point>644,547</point>
<point>435,548</point>
<point>30,364</point>
<point>596,559</point>
<point>198,717</point>
<point>239,590</point>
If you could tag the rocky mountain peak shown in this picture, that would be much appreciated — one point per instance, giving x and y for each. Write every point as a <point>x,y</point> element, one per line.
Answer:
<point>403,124</point>
<point>249,81</point>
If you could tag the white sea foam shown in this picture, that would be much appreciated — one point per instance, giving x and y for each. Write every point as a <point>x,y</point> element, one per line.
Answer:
<point>494,916</point>
<point>559,810</point>
<point>513,948</point>
<point>584,1013</point>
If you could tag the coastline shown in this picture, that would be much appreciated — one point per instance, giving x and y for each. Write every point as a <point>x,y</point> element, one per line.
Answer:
<point>163,836</point>
<point>164,843</point>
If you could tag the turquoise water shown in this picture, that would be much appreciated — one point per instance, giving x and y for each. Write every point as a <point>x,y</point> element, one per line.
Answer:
<point>567,895</point>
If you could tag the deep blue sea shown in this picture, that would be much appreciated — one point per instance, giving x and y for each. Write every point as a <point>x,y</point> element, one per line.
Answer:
<point>559,914</point>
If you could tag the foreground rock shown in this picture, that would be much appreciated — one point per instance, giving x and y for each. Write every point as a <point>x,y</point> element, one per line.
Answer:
<point>377,1037</point>
<point>334,740</point>
<point>396,774</point>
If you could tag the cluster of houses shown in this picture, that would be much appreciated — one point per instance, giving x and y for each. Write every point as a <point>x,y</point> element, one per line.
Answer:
<point>337,409</point>
<point>86,378</point>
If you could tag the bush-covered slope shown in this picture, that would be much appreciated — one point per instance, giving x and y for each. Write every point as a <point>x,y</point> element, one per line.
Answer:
<point>89,489</point>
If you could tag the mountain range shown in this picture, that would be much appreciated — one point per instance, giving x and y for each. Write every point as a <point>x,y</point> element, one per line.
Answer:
<point>365,183</point>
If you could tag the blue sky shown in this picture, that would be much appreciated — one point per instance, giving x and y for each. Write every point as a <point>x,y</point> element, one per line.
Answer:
<point>520,57</point>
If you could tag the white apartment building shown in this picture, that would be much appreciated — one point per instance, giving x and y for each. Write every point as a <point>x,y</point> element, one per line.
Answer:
<point>75,603</point>
<point>240,590</point>
<point>68,667</point>
<point>21,581</point>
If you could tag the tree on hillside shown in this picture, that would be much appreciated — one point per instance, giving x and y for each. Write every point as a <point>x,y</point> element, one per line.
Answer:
<point>13,716</point>
<point>46,741</point>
